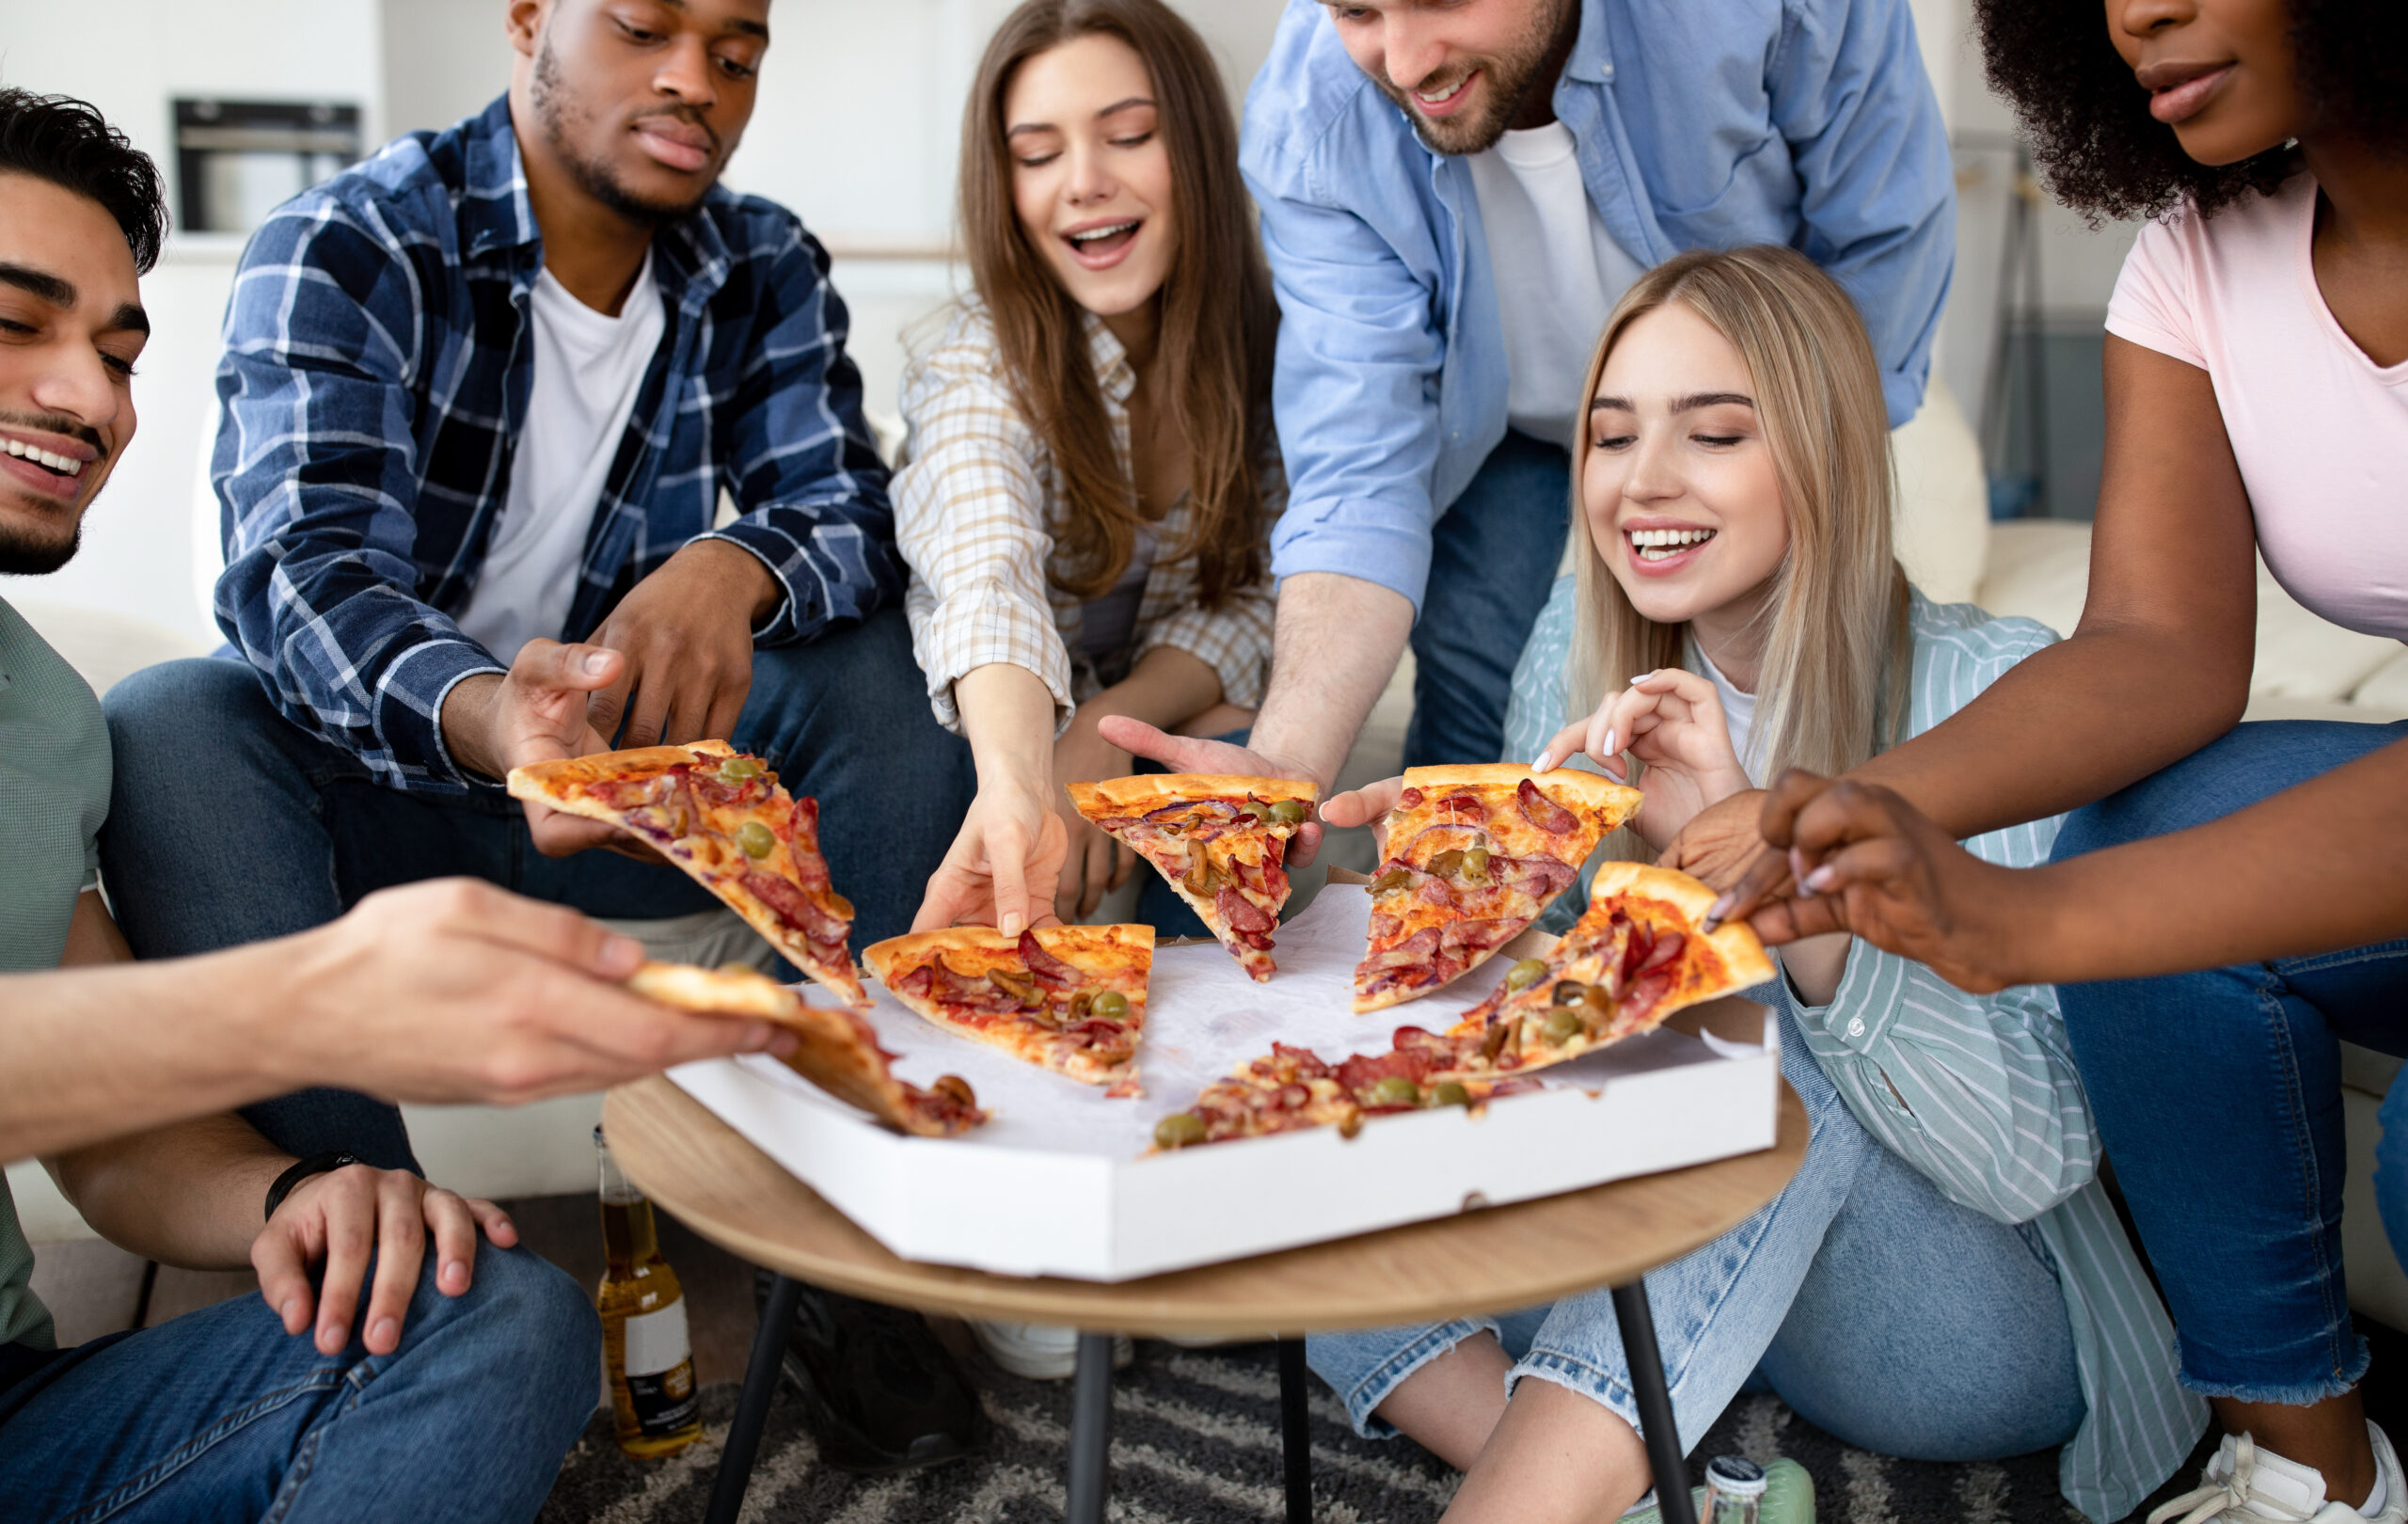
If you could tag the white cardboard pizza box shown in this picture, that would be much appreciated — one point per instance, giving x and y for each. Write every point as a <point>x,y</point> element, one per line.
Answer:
<point>1059,1181</point>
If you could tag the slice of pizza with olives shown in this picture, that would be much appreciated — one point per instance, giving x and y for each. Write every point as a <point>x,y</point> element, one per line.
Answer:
<point>720,816</point>
<point>1068,998</point>
<point>1219,839</point>
<point>1474,855</point>
<point>1293,1089</point>
<point>1636,956</point>
<point>835,1049</point>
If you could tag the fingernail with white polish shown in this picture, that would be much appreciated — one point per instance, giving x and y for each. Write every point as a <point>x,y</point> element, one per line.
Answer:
<point>1544,763</point>
<point>1820,879</point>
<point>1721,907</point>
<point>1611,736</point>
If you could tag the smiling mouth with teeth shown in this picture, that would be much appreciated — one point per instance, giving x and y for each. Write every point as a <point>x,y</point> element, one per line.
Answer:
<point>1102,239</point>
<point>1442,97</point>
<point>1664,544</point>
<point>57,465</point>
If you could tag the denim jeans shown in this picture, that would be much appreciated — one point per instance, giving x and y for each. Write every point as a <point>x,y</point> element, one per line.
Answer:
<point>229,823</point>
<point>2218,1096</point>
<point>221,1415</point>
<point>1492,562</point>
<point>1881,1311</point>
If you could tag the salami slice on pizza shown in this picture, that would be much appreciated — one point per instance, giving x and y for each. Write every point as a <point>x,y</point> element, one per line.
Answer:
<point>1635,958</point>
<point>1474,855</point>
<point>1068,998</point>
<point>720,816</point>
<point>1217,838</point>
<point>836,1050</point>
<point>1637,955</point>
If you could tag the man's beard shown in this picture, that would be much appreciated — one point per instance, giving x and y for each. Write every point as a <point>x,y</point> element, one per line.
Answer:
<point>25,555</point>
<point>1511,79</point>
<point>555,111</point>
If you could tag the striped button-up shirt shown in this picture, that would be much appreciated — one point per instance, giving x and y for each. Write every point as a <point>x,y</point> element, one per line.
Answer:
<point>378,365</point>
<point>1978,1092</point>
<point>978,507</point>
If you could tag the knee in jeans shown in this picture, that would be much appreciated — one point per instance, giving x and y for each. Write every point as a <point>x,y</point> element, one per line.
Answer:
<point>180,705</point>
<point>537,1331</point>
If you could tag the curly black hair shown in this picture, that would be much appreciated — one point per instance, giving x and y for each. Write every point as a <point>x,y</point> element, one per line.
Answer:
<point>69,143</point>
<point>2104,155</point>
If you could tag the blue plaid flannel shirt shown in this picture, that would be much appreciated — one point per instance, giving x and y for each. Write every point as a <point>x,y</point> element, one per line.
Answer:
<point>377,371</point>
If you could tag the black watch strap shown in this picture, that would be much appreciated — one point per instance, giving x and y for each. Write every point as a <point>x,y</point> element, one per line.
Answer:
<point>317,1164</point>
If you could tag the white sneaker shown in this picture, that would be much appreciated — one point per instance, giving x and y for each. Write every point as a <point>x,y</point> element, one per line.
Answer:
<point>2244,1485</point>
<point>1042,1351</point>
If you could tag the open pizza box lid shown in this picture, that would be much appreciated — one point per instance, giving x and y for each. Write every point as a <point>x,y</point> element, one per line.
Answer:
<point>1059,1183</point>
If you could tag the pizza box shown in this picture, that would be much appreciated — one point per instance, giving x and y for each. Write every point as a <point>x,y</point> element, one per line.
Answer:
<point>1059,1183</point>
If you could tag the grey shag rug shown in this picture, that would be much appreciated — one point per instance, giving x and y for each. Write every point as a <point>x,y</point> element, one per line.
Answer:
<point>1196,1440</point>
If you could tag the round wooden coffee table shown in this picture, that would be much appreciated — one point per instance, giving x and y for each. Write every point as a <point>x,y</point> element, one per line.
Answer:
<point>1496,1259</point>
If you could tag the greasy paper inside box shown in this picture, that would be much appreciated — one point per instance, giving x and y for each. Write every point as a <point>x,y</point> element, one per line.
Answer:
<point>1059,1181</point>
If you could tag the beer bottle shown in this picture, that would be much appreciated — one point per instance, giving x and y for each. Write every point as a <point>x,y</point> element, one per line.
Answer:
<point>645,1350</point>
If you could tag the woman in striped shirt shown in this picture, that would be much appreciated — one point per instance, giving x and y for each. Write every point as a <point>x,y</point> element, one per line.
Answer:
<point>1945,1277</point>
<point>1091,471</point>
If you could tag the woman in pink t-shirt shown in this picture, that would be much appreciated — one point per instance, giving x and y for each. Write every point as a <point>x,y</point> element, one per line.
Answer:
<point>2256,372</point>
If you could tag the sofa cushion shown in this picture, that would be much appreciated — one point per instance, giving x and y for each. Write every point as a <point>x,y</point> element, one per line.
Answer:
<point>1942,533</point>
<point>2040,569</point>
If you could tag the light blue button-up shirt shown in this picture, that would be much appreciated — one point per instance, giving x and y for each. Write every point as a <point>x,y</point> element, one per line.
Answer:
<point>1698,123</point>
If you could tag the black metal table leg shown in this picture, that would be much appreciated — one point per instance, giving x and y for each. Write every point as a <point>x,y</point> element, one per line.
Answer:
<point>1090,1479</point>
<point>752,1404</point>
<point>1295,1439</point>
<point>1654,1404</point>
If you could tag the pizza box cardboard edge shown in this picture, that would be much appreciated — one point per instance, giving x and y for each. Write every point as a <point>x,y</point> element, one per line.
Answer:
<point>1094,1217</point>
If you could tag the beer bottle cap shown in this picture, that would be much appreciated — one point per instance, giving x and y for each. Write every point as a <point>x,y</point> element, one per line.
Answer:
<point>1734,1476</point>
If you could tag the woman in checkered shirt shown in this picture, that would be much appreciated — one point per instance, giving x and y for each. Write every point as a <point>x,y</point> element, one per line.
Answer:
<point>1091,471</point>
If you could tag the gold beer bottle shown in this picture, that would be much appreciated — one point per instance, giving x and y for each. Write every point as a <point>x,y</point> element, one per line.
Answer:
<point>645,1348</point>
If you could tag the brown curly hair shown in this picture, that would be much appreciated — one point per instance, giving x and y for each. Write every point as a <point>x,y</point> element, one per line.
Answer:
<point>2104,155</point>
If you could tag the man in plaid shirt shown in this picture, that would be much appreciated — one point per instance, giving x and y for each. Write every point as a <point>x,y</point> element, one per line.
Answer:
<point>484,396</point>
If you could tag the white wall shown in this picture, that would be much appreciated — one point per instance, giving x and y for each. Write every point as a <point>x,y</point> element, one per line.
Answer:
<point>132,58</point>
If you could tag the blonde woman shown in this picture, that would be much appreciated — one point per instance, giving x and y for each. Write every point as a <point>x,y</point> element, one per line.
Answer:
<point>1945,1279</point>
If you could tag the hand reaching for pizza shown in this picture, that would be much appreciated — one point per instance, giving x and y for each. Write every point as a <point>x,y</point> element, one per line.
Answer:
<point>1671,721</point>
<point>1002,866</point>
<point>687,633</point>
<point>537,713</point>
<point>1190,753</point>
<point>1869,862</point>
<point>1094,862</point>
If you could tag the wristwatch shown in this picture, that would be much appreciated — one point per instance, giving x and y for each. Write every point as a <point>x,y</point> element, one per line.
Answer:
<point>317,1164</point>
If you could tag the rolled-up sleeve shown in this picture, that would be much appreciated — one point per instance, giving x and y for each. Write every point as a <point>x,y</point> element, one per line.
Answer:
<point>315,469</point>
<point>1877,185</point>
<point>804,472</point>
<point>1356,390</point>
<point>970,519</point>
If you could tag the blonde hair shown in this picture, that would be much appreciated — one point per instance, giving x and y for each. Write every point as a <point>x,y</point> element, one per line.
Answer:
<point>1831,689</point>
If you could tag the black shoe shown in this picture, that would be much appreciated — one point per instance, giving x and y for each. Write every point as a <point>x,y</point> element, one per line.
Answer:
<point>879,1394</point>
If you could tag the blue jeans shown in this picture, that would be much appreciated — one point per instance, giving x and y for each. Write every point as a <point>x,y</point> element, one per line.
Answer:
<point>220,1414</point>
<point>1492,560</point>
<point>229,823</point>
<point>1883,1313</point>
<point>2218,1096</point>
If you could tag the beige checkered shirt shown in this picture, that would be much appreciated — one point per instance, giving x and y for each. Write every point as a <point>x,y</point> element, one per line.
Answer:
<point>975,506</point>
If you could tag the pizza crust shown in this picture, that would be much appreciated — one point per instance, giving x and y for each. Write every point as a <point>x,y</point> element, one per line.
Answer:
<point>1153,790</point>
<point>1593,790</point>
<point>835,1048</point>
<point>1743,953</point>
<point>553,782</point>
<point>1068,943</point>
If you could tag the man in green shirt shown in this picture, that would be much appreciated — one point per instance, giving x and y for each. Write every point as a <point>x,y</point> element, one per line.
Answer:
<point>469,1372</point>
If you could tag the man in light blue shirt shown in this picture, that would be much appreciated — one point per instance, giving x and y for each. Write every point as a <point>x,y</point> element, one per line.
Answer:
<point>1452,196</point>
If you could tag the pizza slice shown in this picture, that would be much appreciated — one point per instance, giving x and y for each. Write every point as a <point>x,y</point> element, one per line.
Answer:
<point>1474,855</point>
<point>720,816</point>
<point>1068,998</point>
<point>1218,839</point>
<point>1637,956</point>
<point>836,1049</point>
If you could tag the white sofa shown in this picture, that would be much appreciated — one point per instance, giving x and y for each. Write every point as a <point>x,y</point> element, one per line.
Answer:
<point>2305,668</point>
